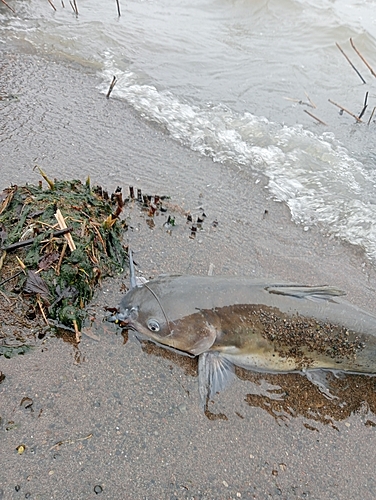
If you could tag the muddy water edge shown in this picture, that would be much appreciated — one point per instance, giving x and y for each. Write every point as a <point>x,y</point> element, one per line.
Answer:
<point>121,420</point>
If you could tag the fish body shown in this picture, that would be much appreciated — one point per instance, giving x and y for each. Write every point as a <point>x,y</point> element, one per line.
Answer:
<point>257,325</point>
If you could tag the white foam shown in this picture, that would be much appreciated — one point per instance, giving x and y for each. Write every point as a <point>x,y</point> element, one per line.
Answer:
<point>315,175</point>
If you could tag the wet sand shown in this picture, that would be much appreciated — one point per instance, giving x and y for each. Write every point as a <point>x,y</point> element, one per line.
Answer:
<point>121,420</point>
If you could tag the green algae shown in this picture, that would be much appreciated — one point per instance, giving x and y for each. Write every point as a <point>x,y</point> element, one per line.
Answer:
<point>56,282</point>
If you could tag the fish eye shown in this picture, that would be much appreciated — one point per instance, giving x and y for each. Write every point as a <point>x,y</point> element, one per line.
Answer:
<point>153,325</point>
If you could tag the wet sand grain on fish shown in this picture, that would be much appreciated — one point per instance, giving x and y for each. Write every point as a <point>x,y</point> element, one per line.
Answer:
<point>119,421</point>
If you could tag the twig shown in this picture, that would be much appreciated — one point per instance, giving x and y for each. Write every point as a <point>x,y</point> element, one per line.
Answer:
<point>22,265</point>
<point>77,331</point>
<point>111,87</point>
<point>310,100</point>
<point>370,118</point>
<point>75,6</point>
<point>346,110</point>
<point>60,219</point>
<point>5,297</point>
<point>12,277</point>
<point>25,243</point>
<point>69,441</point>
<point>61,258</point>
<point>365,105</point>
<point>2,258</point>
<point>118,7</point>
<point>52,5</point>
<point>351,64</point>
<point>41,310</point>
<point>9,7</point>
<point>99,236</point>
<point>315,117</point>
<point>362,58</point>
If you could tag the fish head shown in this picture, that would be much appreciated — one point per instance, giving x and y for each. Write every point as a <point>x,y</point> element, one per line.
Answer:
<point>164,319</point>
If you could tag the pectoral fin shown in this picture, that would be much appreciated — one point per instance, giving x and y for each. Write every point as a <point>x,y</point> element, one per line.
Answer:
<point>214,373</point>
<point>307,292</point>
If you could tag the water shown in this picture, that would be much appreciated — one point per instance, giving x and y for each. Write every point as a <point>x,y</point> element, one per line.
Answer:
<point>225,79</point>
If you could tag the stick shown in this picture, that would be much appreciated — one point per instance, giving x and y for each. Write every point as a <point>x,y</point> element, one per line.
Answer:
<point>9,7</point>
<point>52,5</point>
<point>118,7</point>
<point>310,100</point>
<point>2,258</point>
<point>77,331</point>
<point>25,243</point>
<point>351,64</point>
<point>315,117</point>
<point>12,277</point>
<point>61,258</point>
<point>69,441</point>
<point>362,58</point>
<point>41,310</point>
<point>346,110</point>
<point>111,87</point>
<point>60,219</point>
<point>21,264</point>
<point>370,118</point>
<point>365,105</point>
<point>99,237</point>
<point>73,8</point>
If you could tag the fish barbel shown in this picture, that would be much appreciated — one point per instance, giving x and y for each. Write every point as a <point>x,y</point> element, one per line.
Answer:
<point>257,325</point>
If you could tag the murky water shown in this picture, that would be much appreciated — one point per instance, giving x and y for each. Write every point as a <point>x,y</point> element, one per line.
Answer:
<point>232,79</point>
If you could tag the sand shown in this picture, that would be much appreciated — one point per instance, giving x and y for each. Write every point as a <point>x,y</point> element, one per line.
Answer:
<point>121,420</point>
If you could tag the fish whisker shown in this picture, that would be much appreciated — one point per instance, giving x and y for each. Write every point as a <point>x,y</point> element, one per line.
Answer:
<point>160,305</point>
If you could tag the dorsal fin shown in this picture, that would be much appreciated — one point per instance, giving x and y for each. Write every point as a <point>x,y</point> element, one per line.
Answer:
<point>307,292</point>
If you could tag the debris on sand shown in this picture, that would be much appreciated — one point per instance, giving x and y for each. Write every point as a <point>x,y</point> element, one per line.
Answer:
<point>56,245</point>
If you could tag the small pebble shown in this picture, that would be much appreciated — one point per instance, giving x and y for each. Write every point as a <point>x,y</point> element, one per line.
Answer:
<point>182,408</point>
<point>98,489</point>
<point>225,483</point>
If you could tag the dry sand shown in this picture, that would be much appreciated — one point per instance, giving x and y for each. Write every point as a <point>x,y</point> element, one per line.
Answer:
<point>120,420</point>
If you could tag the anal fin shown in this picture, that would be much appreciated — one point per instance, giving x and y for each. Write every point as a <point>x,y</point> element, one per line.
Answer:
<point>215,372</point>
<point>319,379</point>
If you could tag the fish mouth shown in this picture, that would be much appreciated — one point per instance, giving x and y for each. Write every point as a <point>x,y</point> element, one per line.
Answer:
<point>124,318</point>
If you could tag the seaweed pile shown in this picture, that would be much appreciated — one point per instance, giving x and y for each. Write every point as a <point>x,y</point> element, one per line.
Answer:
<point>56,245</point>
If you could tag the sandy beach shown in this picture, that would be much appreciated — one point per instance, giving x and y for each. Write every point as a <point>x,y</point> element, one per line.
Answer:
<point>118,419</point>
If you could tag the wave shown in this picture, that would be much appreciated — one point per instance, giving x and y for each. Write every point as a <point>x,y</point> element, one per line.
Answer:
<point>314,175</point>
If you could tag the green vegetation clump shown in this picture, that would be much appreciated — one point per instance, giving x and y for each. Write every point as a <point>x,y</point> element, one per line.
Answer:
<point>48,274</point>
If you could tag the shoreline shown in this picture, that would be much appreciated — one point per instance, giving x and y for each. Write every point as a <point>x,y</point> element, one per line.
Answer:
<point>149,439</point>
